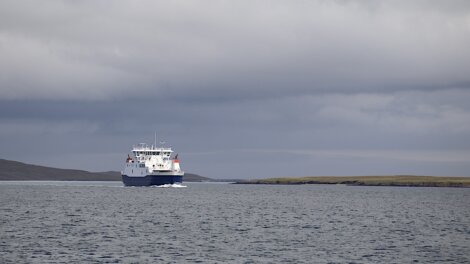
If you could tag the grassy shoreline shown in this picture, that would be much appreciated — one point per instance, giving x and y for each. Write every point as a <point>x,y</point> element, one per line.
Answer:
<point>398,180</point>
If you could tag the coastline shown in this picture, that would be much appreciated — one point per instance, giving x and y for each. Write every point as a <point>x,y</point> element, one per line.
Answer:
<point>395,180</point>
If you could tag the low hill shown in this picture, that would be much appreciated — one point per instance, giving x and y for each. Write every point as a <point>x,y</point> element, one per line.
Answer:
<point>18,171</point>
<point>396,180</point>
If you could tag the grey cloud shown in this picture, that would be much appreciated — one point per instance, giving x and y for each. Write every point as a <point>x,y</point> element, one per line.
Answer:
<point>100,50</point>
<point>409,125</point>
<point>319,86</point>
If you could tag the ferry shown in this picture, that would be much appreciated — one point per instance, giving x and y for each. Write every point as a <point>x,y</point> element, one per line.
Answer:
<point>151,165</point>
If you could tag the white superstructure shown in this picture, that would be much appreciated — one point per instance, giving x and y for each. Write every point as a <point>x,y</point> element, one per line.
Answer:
<point>147,160</point>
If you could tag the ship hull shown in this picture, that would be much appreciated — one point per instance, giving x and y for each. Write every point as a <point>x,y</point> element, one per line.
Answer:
<point>150,180</point>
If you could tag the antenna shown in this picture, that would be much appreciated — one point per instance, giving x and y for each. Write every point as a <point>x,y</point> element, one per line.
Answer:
<point>155,139</point>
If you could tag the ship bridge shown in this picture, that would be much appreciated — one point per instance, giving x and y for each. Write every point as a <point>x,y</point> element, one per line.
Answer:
<point>143,152</point>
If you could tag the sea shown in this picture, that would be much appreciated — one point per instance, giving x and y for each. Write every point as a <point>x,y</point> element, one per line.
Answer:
<point>105,222</point>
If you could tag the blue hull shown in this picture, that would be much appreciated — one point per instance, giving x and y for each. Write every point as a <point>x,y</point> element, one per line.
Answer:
<point>151,180</point>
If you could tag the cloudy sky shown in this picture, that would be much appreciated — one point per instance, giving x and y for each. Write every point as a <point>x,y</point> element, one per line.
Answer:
<point>240,89</point>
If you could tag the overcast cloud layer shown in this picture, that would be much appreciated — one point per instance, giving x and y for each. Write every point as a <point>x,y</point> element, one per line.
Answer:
<point>241,89</point>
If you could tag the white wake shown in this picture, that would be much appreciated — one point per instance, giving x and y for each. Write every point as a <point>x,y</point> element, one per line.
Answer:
<point>174,185</point>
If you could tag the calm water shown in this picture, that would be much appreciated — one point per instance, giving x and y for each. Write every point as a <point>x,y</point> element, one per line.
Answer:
<point>76,222</point>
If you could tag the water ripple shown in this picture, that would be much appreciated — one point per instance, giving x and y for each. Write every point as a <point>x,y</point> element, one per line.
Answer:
<point>233,223</point>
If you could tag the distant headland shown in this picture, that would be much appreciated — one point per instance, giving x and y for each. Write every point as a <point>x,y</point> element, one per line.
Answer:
<point>396,180</point>
<point>18,171</point>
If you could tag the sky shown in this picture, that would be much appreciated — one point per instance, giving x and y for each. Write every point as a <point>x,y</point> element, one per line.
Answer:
<point>240,89</point>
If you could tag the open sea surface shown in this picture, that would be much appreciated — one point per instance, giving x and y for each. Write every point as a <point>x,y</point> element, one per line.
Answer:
<point>104,222</point>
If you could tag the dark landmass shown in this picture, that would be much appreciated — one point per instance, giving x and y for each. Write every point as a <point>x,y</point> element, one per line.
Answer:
<point>18,171</point>
<point>397,180</point>
<point>228,180</point>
